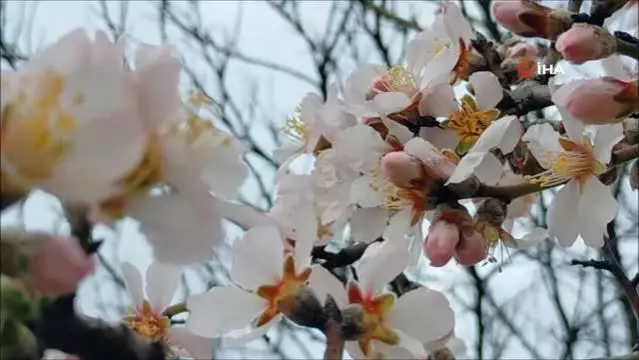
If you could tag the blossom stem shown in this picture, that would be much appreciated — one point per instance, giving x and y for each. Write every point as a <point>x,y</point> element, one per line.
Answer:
<point>514,191</point>
<point>175,309</point>
<point>626,48</point>
<point>333,330</point>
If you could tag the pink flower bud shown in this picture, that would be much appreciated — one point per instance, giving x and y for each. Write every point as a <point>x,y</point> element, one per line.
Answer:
<point>402,169</point>
<point>58,264</point>
<point>529,19</point>
<point>585,42</point>
<point>598,101</point>
<point>440,243</point>
<point>471,249</point>
<point>507,14</point>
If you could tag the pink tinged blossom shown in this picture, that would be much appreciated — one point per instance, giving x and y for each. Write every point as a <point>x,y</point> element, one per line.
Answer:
<point>58,265</point>
<point>585,42</point>
<point>471,249</point>
<point>598,101</point>
<point>402,169</point>
<point>80,121</point>
<point>440,243</point>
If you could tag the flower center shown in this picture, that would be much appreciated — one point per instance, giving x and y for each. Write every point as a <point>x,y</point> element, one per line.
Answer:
<point>577,162</point>
<point>280,296</point>
<point>397,79</point>
<point>469,122</point>
<point>296,128</point>
<point>375,309</point>
<point>148,323</point>
<point>35,132</point>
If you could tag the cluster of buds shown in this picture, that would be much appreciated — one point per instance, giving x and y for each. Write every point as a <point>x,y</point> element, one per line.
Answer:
<point>452,233</point>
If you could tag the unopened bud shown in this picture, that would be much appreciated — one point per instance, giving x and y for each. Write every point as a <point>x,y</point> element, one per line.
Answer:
<point>598,101</point>
<point>58,265</point>
<point>584,42</point>
<point>403,170</point>
<point>530,19</point>
<point>634,176</point>
<point>471,248</point>
<point>440,243</point>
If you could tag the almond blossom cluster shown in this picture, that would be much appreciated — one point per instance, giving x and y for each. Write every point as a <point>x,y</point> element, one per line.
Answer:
<point>404,169</point>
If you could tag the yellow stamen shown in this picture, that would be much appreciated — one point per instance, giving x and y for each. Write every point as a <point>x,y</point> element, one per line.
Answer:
<point>295,127</point>
<point>470,122</point>
<point>577,162</point>
<point>36,133</point>
<point>148,323</point>
<point>148,172</point>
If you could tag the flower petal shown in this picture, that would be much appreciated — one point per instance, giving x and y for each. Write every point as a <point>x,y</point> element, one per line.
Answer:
<point>430,156</point>
<point>606,137</point>
<point>401,132</point>
<point>251,335</point>
<point>485,166</point>
<point>423,314</point>
<point>162,281</point>
<point>381,263</point>
<point>258,257</point>
<point>324,283</point>
<point>360,81</point>
<point>543,142</point>
<point>362,154</point>
<point>305,220</point>
<point>440,138</point>
<point>562,218</point>
<point>182,228</point>
<point>133,280</point>
<point>597,207</point>
<point>368,224</point>
<point>488,91</point>
<point>158,76</point>
<point>390,102</point>
<point>438,101</point>
<point>367,191</point>
<point>574,128</point>
<point>221,310</point>
<point>399,225</point>
<point>196,346</point>
<point>503,134</point>
<point>242,215</point>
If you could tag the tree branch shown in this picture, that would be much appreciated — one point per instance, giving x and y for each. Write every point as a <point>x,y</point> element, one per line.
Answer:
<point>514,191</point>
<point>62,329</point>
